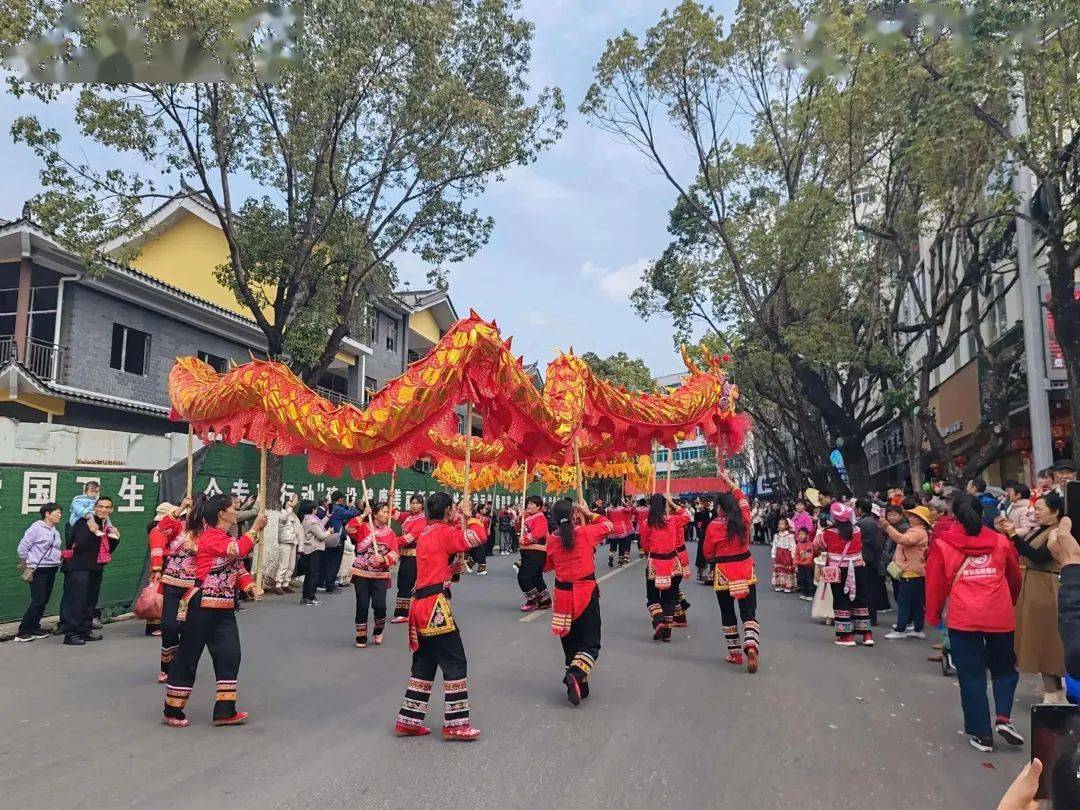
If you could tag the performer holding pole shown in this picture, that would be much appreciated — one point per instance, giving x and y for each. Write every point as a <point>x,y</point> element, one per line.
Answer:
<point>681,603</point>
<point>576,615</point>
<point>207,610</point>
<point>376,552</point>
<point>727,548</point>
<point>412,523</point>
<point>534,533</point>
<point>434,637</point>
<point>664,572</point>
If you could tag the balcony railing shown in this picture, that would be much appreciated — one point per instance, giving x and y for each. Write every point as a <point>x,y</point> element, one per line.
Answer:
<point>337,397</point>
<point>44,360</point>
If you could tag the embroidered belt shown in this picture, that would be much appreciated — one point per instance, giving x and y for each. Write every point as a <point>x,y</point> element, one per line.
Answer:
<point>429,590</point>
<point>541,547</point>
<point>663,555</point>
<point>569,586</point>
<point>730,558</point>
<point>408,551</point>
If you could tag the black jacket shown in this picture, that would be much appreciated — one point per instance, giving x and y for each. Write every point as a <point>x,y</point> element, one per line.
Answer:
<point>873,541</point>
<point>1069,617</point>
<point>85,546</point>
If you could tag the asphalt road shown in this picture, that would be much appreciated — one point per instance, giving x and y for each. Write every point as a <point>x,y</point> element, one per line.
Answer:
<point>666,726</point>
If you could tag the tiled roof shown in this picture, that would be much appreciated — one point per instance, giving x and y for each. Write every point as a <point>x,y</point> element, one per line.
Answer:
<point>79,395</point>
<point>131,271</point>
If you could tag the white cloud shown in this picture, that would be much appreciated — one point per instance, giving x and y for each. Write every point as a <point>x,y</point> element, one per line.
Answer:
<point>617,283</point>
<point>537,318</point>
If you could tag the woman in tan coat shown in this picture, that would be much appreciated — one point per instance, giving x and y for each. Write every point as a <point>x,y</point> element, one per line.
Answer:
<point>1038,642</point>
<point>909,567</point>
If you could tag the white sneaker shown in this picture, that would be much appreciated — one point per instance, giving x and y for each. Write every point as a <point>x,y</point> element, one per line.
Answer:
<point>1008,733</point>
<point>895,635</point>
<point>915,634</point>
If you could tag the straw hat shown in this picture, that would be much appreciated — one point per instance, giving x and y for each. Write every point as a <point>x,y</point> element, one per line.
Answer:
<point>163,509</point>
<point>812,496</point>
<point>922,513</point>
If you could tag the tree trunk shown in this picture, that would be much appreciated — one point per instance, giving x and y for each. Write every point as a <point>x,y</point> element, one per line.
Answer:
<point>1065,309</point>
<point>858,468</point>
<point>274,479</point>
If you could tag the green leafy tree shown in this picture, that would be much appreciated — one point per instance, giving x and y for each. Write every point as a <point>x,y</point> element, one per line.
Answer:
<point>389,119</point>
<point>1025,52</point>
<point>621,369</point>
<point>762,243</point>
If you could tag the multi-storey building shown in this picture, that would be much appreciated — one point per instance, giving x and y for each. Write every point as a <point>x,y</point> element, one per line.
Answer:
<point>94,349</point>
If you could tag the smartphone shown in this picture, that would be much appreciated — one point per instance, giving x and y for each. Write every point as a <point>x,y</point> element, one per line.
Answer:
<point>1072,503</point>
<point>1055,741</point>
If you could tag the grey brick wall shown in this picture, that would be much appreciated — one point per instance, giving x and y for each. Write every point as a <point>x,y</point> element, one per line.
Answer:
<point>86,328</point>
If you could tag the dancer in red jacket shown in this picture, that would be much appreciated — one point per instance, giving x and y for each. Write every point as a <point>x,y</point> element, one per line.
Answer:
<point>727,549</point>
<point>576,615</point>
<point>434,637</point>
<point>208,611</point>
<point>661,533</point>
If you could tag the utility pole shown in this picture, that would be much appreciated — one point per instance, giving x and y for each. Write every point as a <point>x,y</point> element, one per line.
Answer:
<point>1042,453</point>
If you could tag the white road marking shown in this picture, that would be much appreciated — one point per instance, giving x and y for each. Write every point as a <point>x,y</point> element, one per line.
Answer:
<point>538,613</point>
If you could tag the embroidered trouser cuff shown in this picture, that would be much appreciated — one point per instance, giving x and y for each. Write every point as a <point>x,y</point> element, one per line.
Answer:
<point>414,706</point>
<point>581,665</point>
<point>457,703</point>
<point>225,700</point>
<point>752,640</point>
<point>176,698</point>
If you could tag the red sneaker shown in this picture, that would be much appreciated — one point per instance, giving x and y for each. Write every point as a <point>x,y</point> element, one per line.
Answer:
<point>868,640</point>
<point>735,658</point>
<point>403,730</point>
<point>658,632</point>
<point>162,677</point>
<point>680,623</point>
<point>544,605</point>
<point>845,641</point>
<point>528,607</point>
<point>237,719</point>
<point>464,733</point>
<point>399,620</point>
<point>176,722</point>
<point>751,660</point>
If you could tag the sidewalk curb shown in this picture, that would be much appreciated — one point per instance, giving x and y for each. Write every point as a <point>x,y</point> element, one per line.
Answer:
<point>9,629</point>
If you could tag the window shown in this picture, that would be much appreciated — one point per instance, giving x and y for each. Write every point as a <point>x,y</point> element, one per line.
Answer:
<point>219,364</point>
<point>130,349</point>
<point>371,387</point>
<point>371,320</point>
<point>391,336</point>
<point>9,303</point>
<point>424,465</point>
<point>1001,315</point>
<point>334,382</point>
<point>863,196</point>
<point>43,313</point>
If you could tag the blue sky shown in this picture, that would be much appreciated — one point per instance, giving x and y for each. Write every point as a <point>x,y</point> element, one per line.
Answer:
<point>572,231</point>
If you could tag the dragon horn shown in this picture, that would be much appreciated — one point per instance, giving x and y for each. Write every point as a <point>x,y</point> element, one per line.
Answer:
<point>690,365</point>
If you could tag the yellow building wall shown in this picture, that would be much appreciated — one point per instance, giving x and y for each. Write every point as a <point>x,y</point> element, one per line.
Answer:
<point>425,325</point>
<point>185,255</point>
